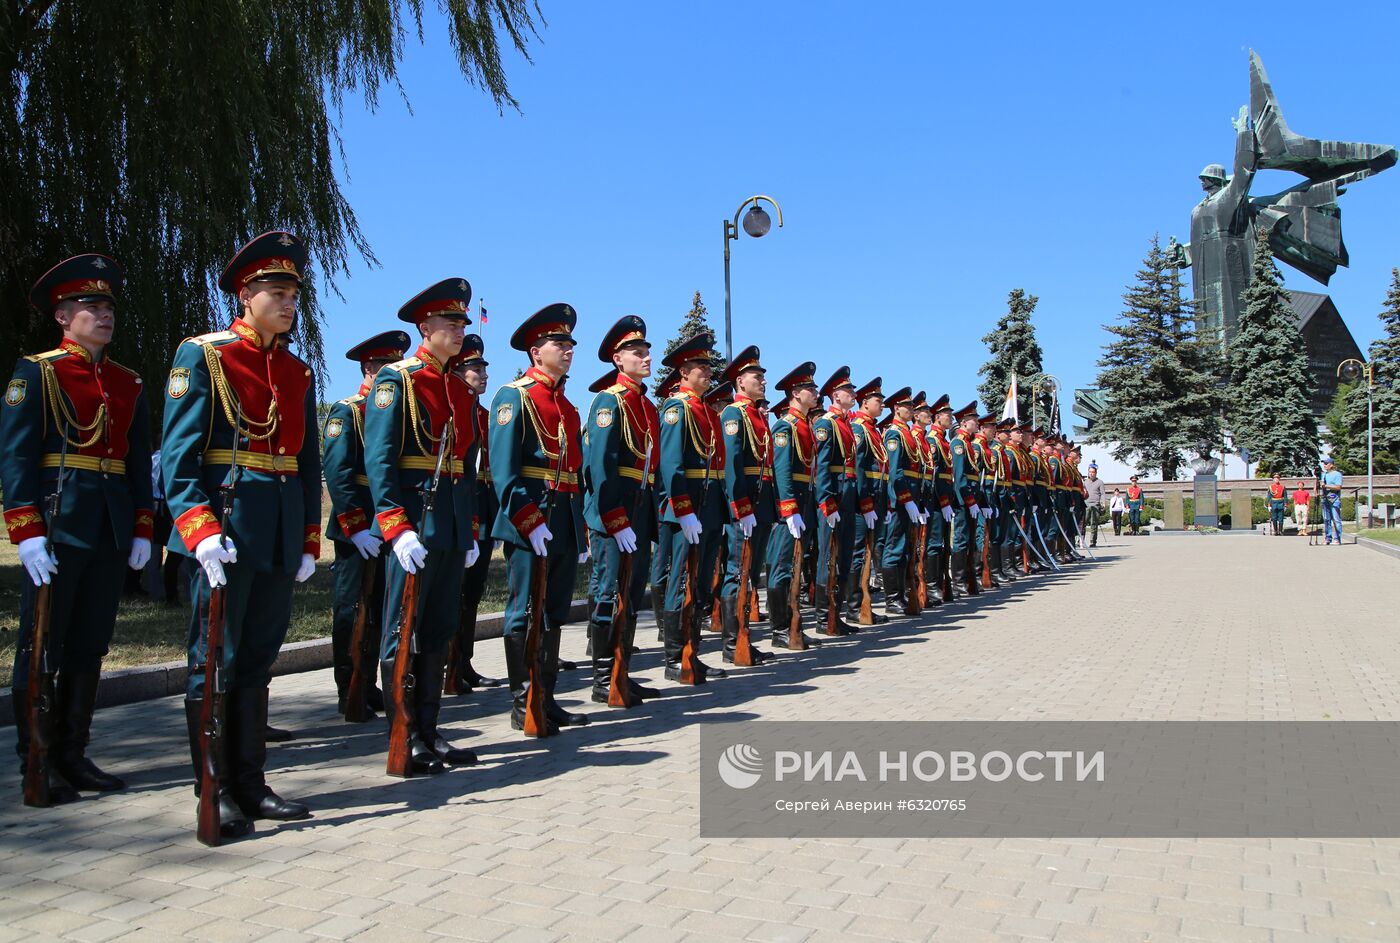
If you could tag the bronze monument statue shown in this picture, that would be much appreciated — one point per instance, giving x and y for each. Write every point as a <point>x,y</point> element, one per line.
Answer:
<point>1303,223</point>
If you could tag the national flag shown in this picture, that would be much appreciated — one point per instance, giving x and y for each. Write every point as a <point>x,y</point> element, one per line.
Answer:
<point>1011,410</point>
<point>482,317</point>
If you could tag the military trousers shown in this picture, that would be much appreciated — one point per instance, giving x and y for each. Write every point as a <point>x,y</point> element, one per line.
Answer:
<point>348,572</point>
<point>845,537</point>
<point>758,545</point>
<point>439,602</point>
<point>561,558</point>
<point>257,611</point>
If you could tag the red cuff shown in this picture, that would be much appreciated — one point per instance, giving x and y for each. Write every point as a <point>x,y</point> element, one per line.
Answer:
<point>787,507</point>
<point>830,506</point>
<point>615,520</point>
<point>145,524</point>
<point>392,523</point>
<point>681,506</point>
<point>353,521</point>
<point>23,523</point>
<point>527,520</point>
<point>311,541</point>
<point>903,496</point>
<point>867,505</point>
<point>742,508</point>
<point>969,501</point>
<point>196,524</point>
<point>943,501</point>
<point>476,528</point>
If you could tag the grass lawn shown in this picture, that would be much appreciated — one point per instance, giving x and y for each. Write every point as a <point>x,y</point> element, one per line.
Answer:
<point>1388,535</point>
<point>149,632</point>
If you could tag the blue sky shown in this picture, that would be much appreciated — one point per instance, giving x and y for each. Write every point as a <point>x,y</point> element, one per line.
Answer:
<point>927,162</point>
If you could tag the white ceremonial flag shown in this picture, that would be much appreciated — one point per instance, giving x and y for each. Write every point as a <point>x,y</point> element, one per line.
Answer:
<point>1010,410</point>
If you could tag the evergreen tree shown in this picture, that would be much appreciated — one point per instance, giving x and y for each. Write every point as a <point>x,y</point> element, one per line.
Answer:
<point>1385,366</point>
<point>168,135</point>
<point>1345,443</point>
<point>696,322</point>
<point>1014,350</point>
<point>1268,403</point>
<point>1162,379</point>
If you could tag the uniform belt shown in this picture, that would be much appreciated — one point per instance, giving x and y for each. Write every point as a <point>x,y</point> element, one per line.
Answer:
<point>945,476</point>
<point>108,466</point>
<point>455,466</point>
<point>484,476</point>
<point>635,474</point>
<point>840,468</point>
<point>757,470</point>
<point>547,474</point>
<point>877,476</point>
<point>255,461</point>
<point>362,480</point>
<point>914,476</point>
<point>714,474</point>
<point>801,479</point>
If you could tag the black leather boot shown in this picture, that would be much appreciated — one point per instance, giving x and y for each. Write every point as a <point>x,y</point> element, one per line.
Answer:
<point>248,710</point>
<point>467,676</point>
<point>429,672</point>
<point>729,627</point>
<point>77,697</point>
<point>780,616</point>
<point>642,692</point>
<point>842,627</point>
<point>232,822</point>
<point>552,710</point>
<point>658,603</point>
<point>604,646</point>
<point>60,793</point>
<point>520,683</point>
<point>893,577</point>
<point>673,642</point>
<point>706,672</point>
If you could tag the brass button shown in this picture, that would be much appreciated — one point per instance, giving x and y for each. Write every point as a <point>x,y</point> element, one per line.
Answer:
<point>281,449</point>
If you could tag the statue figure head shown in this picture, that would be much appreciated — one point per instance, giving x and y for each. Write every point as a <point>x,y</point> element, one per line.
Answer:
<point>1213,177</point>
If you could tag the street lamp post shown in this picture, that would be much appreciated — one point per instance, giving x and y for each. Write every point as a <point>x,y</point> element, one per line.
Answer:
<point>756,224</point>
<point>1043,381</point>
<point>1352,370</point>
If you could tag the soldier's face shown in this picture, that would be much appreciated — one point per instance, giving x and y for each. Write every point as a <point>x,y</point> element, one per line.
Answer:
<point>752,383</point>
<point>554,356</point>
<point>873,405</point>
<point>805,398</point>
<point>443,335</point>
<point>270,307</point>
<point>372,367</point>
<point>475,378</point>
<point>943,420</point>
<point>903,413</point>
<point>90,323</point>
<point>697,374</point>
<point>634,360</point>
<point>843,399</point>
<point>923,417</point>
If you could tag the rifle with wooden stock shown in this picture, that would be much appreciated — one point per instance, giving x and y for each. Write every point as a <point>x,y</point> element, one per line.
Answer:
<point>41,671</point>
<point>361,648</point>
<point>619,685</point>
<point>399,762</point>
<point>536,720</point>
<point>211,716</point>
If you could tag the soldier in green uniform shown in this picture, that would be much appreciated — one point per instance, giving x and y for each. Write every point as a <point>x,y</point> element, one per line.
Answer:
<point>748,486</point>
<point>461,678</point>
<point>967,520</point>
<point>838,494</point>
<point>930,421</point>
<point>240,384</point>
<point>536,457</point>
<point>903,454</point>
<point>692,473</point>
<point>719,395</point>
<point>73,413</point>
<point>622,452</point>
<point>871,478</point>
<point>794,456</point>
<point>661,562</point>
<point>352,509</point>
<point>418,435</point>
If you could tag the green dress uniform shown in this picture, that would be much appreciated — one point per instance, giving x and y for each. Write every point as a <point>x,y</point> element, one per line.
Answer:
<point>224,386</point>
<point>748,486</point>
<point>692,473</point>
<point>352,509</point>
<point>622,453</point>
<point>905,478</point>
<point>794,459</point>
<point>871,478</point>
<point>63,408</point>
<point>660,562</point>
<point>418,436</point>
<point>838,490</point>
<point>461,676</point>
<point>967,521</point>
<point>536,456</point>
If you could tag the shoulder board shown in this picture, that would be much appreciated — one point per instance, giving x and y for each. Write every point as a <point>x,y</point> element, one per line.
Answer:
<point>351,400</point>
<point>47,355</point>
<point>215,337</point>
<point>617,389</point>
<point>524,383</point>
<point>408,363</point>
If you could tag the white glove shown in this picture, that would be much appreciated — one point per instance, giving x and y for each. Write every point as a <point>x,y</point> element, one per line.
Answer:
<point>986,514</point>
<point>746,524</point>
<point>539,537</point>
<point>626,540</point>
<point>833,519</point>
<point>212,553</point>
<point>308,566</point>
<point>923,518</point>
<point>473,554</point>
<point>869,519</point>
<point>583,557</point>
<point>366,543</point>
<point>37,560</point>
<point>410,551</point>
<point>948,513</point>
<point>912,510</point>
<point>140,553</point>
<point>795,526</point>
<point>690,528</point>
<point>974,510</point>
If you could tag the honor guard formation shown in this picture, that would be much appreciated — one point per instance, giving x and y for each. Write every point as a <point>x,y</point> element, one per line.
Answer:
<point>848,505</point>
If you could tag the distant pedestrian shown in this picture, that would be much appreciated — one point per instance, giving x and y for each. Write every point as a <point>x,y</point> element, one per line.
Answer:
<point>1135,503</point>
<point>1116,507</point>
<point>1331,501</point>
<point>1302,499</point>
<point>1094,505</point>
<point>1278,500</point>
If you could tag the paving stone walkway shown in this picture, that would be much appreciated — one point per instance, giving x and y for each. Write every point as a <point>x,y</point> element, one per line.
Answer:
<point>593,834</point>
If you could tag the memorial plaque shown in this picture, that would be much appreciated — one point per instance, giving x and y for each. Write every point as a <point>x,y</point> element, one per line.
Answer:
<point>1174,511</point>
<point>1207,504</point>
<point>1241,509</point>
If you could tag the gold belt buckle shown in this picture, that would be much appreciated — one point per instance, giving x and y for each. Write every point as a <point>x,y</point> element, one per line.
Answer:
<point>104,464</point>
<point>279,463</point>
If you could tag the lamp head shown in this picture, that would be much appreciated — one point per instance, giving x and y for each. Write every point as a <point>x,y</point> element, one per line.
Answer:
<point>757,221</point>
<point>1350,371</point>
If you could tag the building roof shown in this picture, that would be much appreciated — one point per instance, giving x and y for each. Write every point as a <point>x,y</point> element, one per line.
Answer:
<point>1306,304</point>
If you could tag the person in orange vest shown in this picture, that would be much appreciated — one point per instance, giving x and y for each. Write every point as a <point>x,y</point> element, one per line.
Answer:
<point>1278,500</point>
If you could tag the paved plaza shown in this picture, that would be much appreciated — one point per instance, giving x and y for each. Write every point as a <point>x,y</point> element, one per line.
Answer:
<point>593,834</point>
